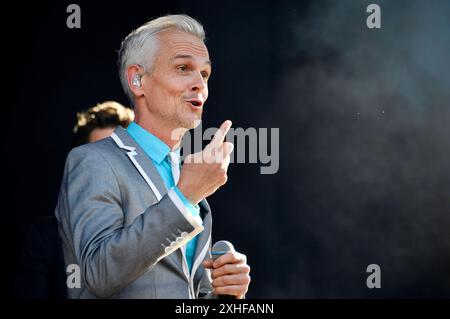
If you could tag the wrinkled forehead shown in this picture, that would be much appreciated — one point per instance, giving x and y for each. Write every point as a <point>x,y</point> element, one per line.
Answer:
<point>175,42</point>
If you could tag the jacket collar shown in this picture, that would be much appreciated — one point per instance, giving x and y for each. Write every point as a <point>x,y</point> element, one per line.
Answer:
<point>156,149</point>
<point>141,161</point>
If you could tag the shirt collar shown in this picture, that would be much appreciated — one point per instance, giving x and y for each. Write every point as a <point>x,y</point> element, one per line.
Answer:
<point>153,146</point>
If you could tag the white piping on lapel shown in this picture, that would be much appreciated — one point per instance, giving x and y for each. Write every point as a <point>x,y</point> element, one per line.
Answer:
<point>185,265</point>
<point>200,257</point>
<point>131,153</point>
<point>197,263</point>
<point>186,269</point>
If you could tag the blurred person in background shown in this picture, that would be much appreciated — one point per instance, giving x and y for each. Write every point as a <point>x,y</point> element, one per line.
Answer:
<point>42,273</point>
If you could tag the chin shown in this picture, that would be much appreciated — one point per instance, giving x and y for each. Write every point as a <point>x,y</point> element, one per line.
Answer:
<point>192,122</point>
<point>196,123</point>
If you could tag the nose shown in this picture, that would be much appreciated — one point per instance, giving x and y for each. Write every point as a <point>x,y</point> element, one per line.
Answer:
<point>198,83</point>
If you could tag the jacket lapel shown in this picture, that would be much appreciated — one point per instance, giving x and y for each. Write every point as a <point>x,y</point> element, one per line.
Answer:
<point>151,175</point>
<point>141,161</point>
<point>203,239</point>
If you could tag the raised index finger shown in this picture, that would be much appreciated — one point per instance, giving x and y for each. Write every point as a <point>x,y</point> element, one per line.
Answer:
<point>221,133</point>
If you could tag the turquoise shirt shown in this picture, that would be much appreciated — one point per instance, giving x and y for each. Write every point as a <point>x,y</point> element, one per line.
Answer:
<point>158,152</point>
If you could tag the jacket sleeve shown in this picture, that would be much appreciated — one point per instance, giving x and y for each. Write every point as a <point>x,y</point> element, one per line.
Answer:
<point>111,255</point>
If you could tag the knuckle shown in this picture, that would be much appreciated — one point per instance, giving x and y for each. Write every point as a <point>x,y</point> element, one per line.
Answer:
<point>226,280</point>
<point>220,282</point>
<point>228,268</point>
<point>247,269</point>
<point>214,274</point>
<point>228,145</point>
<point>230,253</point>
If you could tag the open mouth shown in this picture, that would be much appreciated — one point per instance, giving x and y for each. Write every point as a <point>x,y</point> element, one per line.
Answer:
<point>196,103</point>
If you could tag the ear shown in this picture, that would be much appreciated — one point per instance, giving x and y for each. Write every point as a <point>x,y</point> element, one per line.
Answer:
<point>134,74</point>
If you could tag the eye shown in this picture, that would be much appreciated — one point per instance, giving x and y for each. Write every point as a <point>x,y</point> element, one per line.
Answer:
<point>182,68</point>
<point>205,75</point>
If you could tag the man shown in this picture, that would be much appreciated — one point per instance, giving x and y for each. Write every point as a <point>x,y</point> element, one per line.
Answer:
<point>41,273</point>
<point>136,225</point>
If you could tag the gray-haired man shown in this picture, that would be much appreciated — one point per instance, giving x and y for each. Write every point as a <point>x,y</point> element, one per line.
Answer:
<point>137,225</point>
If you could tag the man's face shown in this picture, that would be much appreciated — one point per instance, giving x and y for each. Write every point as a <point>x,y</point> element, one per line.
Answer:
<point>176,89</point>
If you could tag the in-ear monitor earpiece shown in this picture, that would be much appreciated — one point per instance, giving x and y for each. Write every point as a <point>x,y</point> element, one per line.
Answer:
<point>137,80</point>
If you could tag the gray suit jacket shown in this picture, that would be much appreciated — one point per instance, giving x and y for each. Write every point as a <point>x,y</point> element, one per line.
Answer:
<point>124,229</point>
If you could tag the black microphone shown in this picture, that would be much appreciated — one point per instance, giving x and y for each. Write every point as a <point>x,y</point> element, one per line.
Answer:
<point>218,249</point>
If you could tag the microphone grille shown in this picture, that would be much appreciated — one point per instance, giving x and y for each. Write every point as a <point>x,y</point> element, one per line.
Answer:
<point>222,247</point>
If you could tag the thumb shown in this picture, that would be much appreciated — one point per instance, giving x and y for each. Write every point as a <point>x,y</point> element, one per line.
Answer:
<point>208,263</point>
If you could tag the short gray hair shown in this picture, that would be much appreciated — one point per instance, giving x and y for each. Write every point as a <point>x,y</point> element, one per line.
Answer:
<point>141,45</point>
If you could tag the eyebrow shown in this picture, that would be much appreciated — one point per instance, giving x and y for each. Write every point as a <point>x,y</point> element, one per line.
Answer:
<point>187,56</point>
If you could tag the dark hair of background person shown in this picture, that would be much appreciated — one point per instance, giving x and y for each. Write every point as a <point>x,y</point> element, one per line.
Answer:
<point>108,114</point>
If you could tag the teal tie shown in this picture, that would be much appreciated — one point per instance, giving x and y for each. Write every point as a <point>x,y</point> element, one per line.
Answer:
<point>175,164</point>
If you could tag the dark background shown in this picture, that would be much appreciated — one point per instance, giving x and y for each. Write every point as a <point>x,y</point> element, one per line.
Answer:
<point>364,119</point>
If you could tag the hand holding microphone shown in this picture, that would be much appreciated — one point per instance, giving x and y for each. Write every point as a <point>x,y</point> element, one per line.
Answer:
<point>201,175</point>
<point>229,271</point>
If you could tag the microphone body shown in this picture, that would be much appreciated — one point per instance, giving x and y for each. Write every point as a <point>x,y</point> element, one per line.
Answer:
<point>218,249</point>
